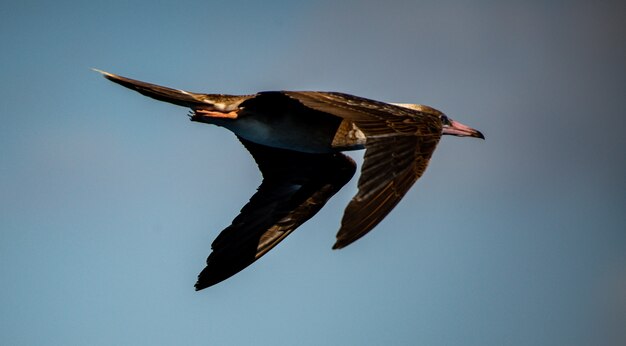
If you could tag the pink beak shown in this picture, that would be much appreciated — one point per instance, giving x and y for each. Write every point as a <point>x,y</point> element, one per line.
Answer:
<point>455,128</point>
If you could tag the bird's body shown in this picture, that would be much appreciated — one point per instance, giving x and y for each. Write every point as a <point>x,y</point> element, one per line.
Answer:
<point>296,138</point>
<point>282,127</point>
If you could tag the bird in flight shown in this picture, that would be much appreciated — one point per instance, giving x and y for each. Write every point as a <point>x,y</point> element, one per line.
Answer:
<point>296,139</point>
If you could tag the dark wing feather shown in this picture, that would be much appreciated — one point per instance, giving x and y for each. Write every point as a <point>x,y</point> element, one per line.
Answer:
<point>390,168</point>
<point>374,118</point>
<point>176,96</point>
<point>400,142</point>
<point>295,187</point>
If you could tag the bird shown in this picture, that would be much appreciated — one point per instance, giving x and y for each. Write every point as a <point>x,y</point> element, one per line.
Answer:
<point>297,139</point>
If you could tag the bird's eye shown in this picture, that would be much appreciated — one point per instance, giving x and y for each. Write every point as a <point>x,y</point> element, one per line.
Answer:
<point>445,120</point>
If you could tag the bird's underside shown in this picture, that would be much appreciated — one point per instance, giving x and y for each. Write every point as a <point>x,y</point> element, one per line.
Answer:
<point>295,139</point>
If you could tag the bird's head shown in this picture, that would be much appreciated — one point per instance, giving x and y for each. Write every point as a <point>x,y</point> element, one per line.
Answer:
<point>450,127</point>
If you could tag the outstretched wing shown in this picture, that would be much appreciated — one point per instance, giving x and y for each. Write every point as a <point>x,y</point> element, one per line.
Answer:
<point>390,168</point>
<point>218,102</point>
<point>400,142</point>
<point>295,187</point>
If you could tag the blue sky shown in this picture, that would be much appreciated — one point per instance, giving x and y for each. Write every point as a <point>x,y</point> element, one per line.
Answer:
<point>109,201</point>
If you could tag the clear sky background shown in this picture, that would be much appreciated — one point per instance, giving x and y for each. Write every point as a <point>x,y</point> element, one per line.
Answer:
<point>109,200</point>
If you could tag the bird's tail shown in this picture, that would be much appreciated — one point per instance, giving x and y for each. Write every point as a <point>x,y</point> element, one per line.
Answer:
<point>175,96</point>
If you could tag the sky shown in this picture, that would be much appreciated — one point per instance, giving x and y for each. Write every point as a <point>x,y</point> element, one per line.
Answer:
<point>109,200</point>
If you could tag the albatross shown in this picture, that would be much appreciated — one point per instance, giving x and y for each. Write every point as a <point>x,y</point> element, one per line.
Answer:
<point>297,139</point>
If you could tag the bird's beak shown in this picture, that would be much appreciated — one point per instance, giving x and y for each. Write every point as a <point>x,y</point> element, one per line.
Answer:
<point>455,128</point>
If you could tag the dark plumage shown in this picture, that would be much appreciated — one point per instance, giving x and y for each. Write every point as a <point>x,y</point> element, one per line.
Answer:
<point>296,138</point>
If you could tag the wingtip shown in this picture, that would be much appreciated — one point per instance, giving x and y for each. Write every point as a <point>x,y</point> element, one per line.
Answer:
<point>200,285</point>
<point>104,73</point>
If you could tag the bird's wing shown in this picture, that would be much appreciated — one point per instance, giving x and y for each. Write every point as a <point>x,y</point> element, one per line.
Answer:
<point>179,97</point>
<point>390,167</point>
<point>295,187</point>
<point>400,142</point>
<point>374,118</point>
